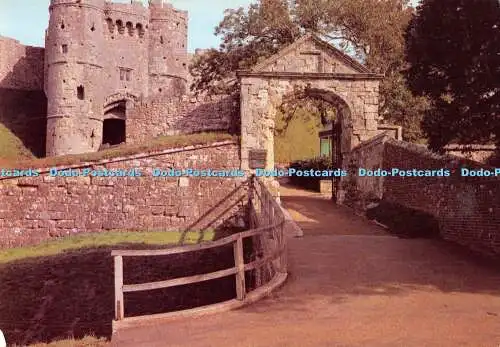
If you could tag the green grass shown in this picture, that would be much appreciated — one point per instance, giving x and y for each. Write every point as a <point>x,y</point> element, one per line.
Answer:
<point>88,341</point>
<point>154,145</point>
<point>300,140</point>
<point>54,247</point>
<point>11,147</point>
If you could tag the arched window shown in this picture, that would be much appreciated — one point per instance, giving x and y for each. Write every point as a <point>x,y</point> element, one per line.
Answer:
<point>130,28</point>
<point>111,25</point>
<point>140,30</point>
<point>121,28</point>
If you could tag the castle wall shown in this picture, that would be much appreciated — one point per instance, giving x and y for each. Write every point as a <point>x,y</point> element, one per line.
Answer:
<point>466,210</point>
<point>23,106</point>
<point>125,57</point>
<point>103,57</point>
<point>182,115</point>
<point>168,62</point>
<point>74,49</point>
<point>34,209</point>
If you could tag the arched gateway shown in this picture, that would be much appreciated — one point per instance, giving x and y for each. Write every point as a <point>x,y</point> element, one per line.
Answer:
<point>320,71</point>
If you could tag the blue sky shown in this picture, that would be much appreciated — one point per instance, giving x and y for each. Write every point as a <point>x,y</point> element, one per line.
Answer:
<point>26,20</point>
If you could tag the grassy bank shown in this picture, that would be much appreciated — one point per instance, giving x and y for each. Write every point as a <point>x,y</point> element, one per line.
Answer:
<point>61,292</point>
<point>107,239</point>
<point>87,341</point>
<point>154,145</point>
<point>11,147</point>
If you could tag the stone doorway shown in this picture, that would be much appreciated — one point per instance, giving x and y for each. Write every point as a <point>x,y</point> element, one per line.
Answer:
<point>114,124</point>
<point>319,70</point>
<point>113,132</point>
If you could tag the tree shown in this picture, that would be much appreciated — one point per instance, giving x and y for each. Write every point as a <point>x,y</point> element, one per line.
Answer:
<point>371,30</point>
<point>453,47</point>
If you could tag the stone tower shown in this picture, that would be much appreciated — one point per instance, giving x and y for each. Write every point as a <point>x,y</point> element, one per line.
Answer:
<point>168,70</point>
<point>74,70</point>
<point>102,58</point>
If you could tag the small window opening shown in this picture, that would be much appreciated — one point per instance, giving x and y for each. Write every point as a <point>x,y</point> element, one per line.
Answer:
<point>93,27</point>
<point>80,92</point>
<point>121,28</point>
<point>62,25</point>
<point>160,90</point>
<point>130,28</point>
<point>140,30</point>
<point>111,26</point>
<point>161,40</point>
<point>125,74</point>
<point>64,48</point>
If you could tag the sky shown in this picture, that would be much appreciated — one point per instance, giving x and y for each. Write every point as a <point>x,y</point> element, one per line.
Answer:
<point>26,20</point>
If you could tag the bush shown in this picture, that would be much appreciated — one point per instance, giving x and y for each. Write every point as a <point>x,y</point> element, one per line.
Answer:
<point>317,163</point>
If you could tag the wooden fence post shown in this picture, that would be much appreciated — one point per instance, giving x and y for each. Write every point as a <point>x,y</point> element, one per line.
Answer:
<point>282,244</point>
<point>119,304</point>
<point>239,262</point>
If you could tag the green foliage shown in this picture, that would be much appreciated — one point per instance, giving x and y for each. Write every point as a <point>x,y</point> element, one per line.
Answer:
<point>296,138</point>
<point>452,46</point>
<point>87,341</point>
<point>316,163</point>
<point>11,147</point>
<point>371,30</point>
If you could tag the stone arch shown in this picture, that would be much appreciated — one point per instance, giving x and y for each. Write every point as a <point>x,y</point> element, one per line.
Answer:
<point>125,99</point>
<point>322,72</point>
<point>114,120</point>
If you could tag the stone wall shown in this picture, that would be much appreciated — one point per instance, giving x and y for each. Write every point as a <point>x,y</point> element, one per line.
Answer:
<point>480,153</point>
<point>23,106</point>
<point>182,115</point>
<point>21,67</point>
<point>33,209</point>
<point>466,209</point>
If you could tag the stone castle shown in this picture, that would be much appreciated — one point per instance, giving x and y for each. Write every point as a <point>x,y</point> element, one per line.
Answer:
<point>100,60</point>
<point>99,56</point>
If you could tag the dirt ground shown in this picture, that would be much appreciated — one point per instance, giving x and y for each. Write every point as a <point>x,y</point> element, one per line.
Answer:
<point>352,284</point>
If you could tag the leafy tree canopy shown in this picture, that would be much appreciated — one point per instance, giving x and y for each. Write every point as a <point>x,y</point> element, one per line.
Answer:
<point>371,30</point>
<point>453,47</point>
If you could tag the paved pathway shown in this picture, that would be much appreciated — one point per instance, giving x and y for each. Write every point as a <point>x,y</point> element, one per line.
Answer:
<point>351,284</point>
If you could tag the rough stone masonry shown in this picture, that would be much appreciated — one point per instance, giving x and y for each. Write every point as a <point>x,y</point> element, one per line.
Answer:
<point>34,209</point>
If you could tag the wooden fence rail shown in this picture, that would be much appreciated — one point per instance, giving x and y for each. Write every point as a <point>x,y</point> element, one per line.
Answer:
<point>267,222</point>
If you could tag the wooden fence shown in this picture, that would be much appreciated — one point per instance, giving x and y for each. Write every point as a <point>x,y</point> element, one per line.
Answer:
<point>269,263</point>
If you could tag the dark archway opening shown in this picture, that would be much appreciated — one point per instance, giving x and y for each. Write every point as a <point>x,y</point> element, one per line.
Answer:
<point>328,116</point>
<point>114,131</point>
